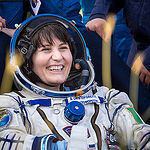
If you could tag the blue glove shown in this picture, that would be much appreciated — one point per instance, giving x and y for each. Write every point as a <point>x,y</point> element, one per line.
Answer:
<point>60,145</point>
<point>49,142</point>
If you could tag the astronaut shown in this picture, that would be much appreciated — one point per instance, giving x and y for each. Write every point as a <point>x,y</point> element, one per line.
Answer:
<point>58,105</point>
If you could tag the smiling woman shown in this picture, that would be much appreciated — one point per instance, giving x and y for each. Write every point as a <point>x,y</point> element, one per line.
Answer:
<point>52,61</point>
<point>51,58</point>
<point>58,106</point>
<point>49,52</point>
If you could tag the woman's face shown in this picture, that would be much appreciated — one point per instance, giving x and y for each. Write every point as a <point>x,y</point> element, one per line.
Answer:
<point>52,63</point>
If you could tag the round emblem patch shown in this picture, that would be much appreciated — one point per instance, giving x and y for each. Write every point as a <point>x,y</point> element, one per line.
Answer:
<point>5,117</point>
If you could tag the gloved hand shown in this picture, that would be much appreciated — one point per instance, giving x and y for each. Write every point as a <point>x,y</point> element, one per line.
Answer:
<point>59,145</point>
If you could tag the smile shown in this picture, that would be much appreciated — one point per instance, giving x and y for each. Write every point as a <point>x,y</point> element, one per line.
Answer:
<point>55,68</point>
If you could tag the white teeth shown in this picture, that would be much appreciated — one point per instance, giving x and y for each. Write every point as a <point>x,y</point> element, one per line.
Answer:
<point>55,68</point>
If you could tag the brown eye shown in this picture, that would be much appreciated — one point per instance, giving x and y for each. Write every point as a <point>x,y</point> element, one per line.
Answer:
<point>45,49</point>
<point>64,47</point>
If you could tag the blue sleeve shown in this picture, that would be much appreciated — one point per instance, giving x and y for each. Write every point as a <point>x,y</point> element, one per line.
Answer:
<point>100,9</point>
<point>48,142</point>
<point>103,7</point>
<point>60,145</point>
<point>12,12</point>
<point>67,9</point>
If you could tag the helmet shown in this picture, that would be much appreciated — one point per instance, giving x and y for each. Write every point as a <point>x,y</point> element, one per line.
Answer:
<point>22,42</point>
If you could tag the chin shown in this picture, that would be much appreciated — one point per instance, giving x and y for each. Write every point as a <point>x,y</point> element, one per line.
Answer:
<point>57,82</point>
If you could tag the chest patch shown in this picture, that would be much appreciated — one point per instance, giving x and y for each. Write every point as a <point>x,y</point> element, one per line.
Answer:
<point>5,118</point>
<point>68,129</point>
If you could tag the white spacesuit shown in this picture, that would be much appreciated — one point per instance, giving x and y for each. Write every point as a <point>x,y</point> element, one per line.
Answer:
<point>91,118</point>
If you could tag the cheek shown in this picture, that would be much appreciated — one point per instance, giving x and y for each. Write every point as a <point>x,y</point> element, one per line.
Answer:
<point>69,58</point>
<point>38,62</point>
<point>69,61</point>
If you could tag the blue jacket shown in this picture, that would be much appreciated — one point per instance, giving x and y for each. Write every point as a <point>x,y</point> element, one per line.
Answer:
<point>137,16</point>
<point>68,9</point>
<point>12,11</point>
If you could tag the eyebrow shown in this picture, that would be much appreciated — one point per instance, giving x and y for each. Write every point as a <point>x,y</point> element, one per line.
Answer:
<point>62,43</point>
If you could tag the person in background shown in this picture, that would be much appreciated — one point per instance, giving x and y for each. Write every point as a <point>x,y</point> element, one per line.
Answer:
<point>137,19</point>
<point>12,12</point>
<point>57,105</point>
<point>121,37</point>
<point>121,43</point>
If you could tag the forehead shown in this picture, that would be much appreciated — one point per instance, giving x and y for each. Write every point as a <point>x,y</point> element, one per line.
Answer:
<point>54,41</point>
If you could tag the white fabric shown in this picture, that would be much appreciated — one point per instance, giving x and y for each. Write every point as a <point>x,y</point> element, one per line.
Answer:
<point>126,128</point>
<point>78,138</point>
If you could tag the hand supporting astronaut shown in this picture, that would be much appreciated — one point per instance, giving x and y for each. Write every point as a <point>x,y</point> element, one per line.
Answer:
<point>2,23</point>
<point>3,28</point>
<point>103,27</point>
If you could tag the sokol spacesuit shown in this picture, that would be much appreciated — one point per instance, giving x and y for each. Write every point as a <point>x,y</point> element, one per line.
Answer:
<point>89,117</point>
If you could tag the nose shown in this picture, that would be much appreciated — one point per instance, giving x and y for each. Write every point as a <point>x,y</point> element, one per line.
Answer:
<point>56,55</point>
